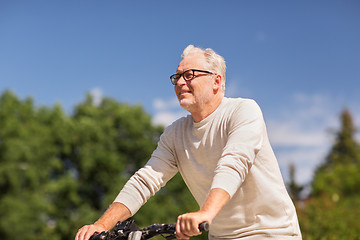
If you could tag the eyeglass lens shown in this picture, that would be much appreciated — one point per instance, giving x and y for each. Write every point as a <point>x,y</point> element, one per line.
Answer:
<point>188,75</point>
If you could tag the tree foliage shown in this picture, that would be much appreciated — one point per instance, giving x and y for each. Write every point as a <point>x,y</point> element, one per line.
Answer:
<point>59,172</point>
<point>332,210</point>
<point>294,188</point>
<point>337,175</point>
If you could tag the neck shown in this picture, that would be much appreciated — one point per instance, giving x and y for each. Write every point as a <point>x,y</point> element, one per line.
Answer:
<point>209,108</point>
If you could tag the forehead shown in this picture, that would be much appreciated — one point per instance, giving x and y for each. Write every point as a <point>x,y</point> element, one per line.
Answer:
<point>195,61</point>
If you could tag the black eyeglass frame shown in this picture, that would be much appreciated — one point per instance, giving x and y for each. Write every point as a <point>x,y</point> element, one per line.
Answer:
<point>176,77</point>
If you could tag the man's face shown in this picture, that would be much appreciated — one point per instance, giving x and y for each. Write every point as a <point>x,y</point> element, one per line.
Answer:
<point>193,95</point>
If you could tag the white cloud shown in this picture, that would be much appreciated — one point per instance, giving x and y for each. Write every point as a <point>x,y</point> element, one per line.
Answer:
<point>287,134</point>
<point>304,122</point>
<point>261,36</point>
<point>160,104</point>
<point>306,160</point>
<point>97,95</point>
<point>298,131</point>
<point>167,111</point>
<point>166,118</point>
<point>232,88</point>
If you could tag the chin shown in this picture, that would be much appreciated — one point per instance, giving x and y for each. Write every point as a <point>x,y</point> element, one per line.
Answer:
<point>186,104</point>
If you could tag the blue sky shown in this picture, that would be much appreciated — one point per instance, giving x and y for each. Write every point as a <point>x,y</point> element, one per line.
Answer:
<point>300,60</point>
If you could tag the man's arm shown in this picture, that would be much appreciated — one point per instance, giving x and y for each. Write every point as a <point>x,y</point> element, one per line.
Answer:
<point>188,223</point>
<point>116,212</point>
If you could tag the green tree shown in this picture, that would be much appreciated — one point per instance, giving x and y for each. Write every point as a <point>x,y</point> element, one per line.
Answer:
<point>27,159</point>
<point>128,133</point>
<point>337,175</point>
<point>110,142</point>
<point>293,187</point>
<point>59,172</point>
<point>332,210</point>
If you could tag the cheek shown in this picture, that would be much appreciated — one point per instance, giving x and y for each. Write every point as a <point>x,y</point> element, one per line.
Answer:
<point>204,92</point>
<point>176,89</point>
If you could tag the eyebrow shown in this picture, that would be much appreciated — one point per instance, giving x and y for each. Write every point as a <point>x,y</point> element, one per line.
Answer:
<point>178,72</point>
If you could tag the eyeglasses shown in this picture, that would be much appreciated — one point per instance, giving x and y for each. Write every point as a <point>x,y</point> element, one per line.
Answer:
<point>187,75</point>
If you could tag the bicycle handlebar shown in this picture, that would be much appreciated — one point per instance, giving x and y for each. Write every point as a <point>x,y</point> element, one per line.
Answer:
<point>128,230</point>
<point>204,227</point>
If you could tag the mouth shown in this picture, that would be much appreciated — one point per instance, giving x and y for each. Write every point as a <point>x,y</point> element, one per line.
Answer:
<point>183,93</point>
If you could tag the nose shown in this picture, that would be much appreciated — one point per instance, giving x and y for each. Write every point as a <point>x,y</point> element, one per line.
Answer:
<point>181,81</point>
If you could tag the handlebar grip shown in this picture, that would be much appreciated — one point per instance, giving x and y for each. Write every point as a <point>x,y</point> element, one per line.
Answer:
<point>204,226</point>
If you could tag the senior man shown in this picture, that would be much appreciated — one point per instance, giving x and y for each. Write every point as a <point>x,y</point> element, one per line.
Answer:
<point>224,156</point>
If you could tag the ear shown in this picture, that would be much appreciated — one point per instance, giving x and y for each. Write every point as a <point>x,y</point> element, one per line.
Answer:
<point>217,83</point>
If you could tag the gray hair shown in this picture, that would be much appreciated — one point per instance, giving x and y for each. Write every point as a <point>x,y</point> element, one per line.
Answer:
<point>215,62</point>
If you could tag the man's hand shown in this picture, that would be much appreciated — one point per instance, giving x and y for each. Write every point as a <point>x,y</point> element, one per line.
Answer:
<point>187,224</point>
<point>116,212</point>
<point>87,231</point>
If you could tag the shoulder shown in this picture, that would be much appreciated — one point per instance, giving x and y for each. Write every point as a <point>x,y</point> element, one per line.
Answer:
<point>178,125</point>
<point>242,112</point>
<point>239,101</point>
<point>243,106</point>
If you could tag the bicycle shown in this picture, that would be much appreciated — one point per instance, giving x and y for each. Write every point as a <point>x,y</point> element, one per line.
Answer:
<point>128,230</point>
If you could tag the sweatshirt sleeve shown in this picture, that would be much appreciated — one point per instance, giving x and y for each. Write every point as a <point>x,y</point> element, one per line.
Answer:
<point>148,180</point>
<point>245,137</point>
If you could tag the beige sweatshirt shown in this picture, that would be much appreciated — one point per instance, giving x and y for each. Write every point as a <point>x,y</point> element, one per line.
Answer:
<point>228,150</point>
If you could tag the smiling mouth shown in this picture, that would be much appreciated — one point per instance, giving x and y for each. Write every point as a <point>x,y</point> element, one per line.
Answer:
<point>182,93</point>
